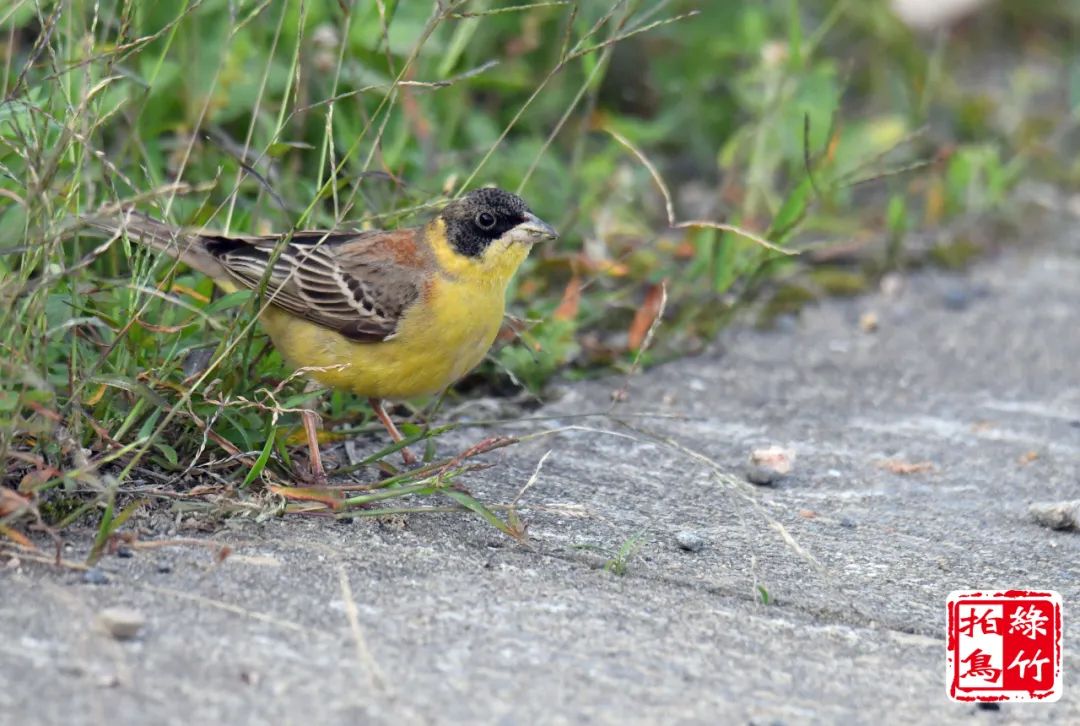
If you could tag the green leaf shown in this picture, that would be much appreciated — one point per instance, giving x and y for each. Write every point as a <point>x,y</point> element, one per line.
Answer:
<point>168,452</point>
<point>229,301</point>
<point>459,42</point>
<point>264,456</point>
<point>795,33</point>
<point>477,508</point>
<point>791,213</point>
<point>896,216</point>
<point>1074,85</point>
<point>131,386</point>
<point>280,148</point>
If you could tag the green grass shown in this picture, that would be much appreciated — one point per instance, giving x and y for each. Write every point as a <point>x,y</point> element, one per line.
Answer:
<point>804,123</point>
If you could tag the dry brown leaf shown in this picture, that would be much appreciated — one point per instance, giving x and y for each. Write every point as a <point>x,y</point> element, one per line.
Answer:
<point>11,502</point>
<point>571,300</point>
<point>1028,457</point>
<point>685,250</point>
<point>37,478</point>
<point>645,316</point>
<point>185,290</point>
<point>896,466</point>
<point>96,395</point>
<point>330,497</point>
<point>17,537</point>
<point>46,412</point>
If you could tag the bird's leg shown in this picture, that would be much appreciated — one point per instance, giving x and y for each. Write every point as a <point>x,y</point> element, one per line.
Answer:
<point>311,428</point>
<point>388,423</point>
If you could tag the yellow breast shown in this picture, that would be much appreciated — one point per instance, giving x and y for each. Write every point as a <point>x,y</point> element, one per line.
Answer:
<point>443,336</point>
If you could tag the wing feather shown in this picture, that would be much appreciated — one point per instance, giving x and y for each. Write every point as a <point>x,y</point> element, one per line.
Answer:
<point>359,285</point>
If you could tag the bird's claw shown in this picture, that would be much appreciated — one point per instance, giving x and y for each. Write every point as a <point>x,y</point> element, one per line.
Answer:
<point>408,457</point>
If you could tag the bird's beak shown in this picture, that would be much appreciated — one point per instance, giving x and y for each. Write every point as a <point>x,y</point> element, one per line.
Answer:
<point>533,230</point>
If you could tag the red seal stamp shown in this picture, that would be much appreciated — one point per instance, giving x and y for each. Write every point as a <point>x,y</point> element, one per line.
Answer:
<point>1004,646</point>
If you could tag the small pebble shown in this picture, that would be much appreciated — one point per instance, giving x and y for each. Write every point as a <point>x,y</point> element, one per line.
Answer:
<point>786,323</point>
<point>892,284</point>
<point>124,552</point>
<point>988,706</point>
<point>121,623</point>
<point>94,576</point>
<point>868,321</point>
<point>164,568</point>
<point>847,522</point>
<point>956,298</point>
<point>689,541</point>
<point>1057,515</point>
<point>769,465</point>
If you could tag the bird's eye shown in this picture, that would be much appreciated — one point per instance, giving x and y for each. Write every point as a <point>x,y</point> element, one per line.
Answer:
<point>485,220</point>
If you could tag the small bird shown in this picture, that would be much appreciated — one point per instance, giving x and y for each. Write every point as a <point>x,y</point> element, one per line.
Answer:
<point>386,314</point>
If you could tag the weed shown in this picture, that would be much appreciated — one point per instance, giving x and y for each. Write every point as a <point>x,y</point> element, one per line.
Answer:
<point>619,561</point>
<point>773,127</point>
<point>616,561</point>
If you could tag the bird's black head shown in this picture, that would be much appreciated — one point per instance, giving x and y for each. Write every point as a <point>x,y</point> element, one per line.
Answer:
<point>482,216</point>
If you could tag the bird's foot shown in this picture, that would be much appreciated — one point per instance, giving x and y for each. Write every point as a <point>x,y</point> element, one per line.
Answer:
<point>408,457</point>
<point>316,473</point>
<point>308,478</point>
<point>388,423</point>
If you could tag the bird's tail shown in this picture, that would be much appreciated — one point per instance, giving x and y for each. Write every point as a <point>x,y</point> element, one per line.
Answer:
<point>186,246</point>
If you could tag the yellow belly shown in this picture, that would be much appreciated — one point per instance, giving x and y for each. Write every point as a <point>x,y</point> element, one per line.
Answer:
<point>441,338</point>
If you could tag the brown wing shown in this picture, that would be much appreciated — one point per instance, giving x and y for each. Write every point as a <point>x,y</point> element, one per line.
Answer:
<point>358,284</point>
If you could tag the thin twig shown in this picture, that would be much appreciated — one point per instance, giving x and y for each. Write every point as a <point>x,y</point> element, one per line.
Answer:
<point>669,205</point>
<point>363,653</point>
